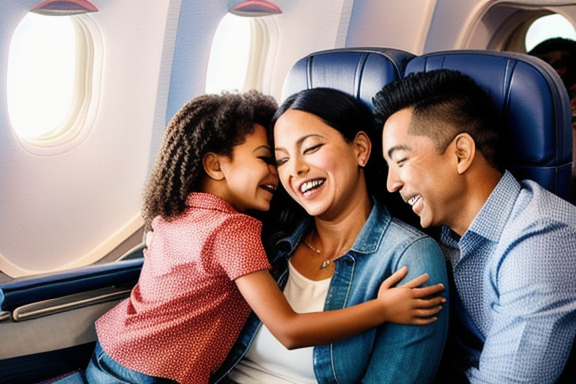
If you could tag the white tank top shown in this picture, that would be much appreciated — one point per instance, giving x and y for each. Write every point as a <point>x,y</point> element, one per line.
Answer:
<point>268,361</point>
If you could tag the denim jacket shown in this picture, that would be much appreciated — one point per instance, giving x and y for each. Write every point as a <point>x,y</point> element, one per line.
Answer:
<point>389,353</point>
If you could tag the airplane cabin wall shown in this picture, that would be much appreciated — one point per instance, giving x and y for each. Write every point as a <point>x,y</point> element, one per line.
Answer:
<point>486,24</point>
<point>392,24</point>
<point>449,22</point>
<point>196,21</point>
<point>303,26</point>
<point>71,209</point>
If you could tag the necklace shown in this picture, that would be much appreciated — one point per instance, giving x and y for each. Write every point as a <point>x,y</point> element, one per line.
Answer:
<point>311,247</point>
<point>325,263</point>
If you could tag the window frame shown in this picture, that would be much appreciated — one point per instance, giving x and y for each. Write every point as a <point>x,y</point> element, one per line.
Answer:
<point>79,119</point>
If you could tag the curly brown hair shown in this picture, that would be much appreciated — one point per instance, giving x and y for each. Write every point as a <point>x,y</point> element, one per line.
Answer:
<point>208,123</point>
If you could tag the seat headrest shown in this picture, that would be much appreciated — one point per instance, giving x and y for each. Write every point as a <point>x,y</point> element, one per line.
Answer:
<point>533,103</point>
<point>360,72</point>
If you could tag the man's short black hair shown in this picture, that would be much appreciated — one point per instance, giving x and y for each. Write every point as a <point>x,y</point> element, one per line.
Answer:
<point>444,103</point>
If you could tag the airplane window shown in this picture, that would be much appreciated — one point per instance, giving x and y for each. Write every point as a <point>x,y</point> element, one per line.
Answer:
<point>46,77</point>
<point>547,27</point>
<point>230,54</point>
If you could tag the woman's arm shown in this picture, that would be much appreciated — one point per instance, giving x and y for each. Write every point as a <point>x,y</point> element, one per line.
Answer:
<point>407,304</point>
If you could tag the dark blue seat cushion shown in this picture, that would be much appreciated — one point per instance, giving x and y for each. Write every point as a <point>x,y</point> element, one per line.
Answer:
<point>37,288</point>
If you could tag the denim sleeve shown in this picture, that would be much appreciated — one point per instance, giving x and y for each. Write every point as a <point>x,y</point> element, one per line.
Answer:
<point>534,309</point>
<point>411,354</point>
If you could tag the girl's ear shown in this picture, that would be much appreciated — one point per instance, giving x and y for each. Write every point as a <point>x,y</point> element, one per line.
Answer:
<point>465,151</point>
<point>363,148</point>
<point>212,166</point>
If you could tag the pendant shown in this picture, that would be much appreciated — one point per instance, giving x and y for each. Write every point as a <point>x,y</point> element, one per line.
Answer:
<point>325,264</point>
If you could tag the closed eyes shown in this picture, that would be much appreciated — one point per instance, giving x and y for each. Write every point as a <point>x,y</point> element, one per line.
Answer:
<point>268,160</point>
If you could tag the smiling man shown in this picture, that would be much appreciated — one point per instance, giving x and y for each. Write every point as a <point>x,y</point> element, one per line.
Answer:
<point>511,244</point>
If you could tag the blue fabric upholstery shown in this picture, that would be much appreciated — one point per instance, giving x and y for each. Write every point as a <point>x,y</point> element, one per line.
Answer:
<point>37,288</point>
<point>360,72</point>
<point>534,104</point>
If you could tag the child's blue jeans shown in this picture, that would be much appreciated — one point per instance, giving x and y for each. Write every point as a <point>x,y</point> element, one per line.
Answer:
<point>102,370</point>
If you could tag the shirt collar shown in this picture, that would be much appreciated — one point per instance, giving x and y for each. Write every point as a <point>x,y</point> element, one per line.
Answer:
<point>490,221</point>
<point>209,201</point>
<point>368,239</point>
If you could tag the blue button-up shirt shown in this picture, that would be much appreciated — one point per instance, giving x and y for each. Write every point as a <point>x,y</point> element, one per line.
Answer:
<point>390,353</point>
<point>515,276</point>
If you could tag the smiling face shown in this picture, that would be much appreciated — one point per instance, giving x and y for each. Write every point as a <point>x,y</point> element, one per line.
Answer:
<point>425,178</point>
<point>317,167</point>
<point>250,175</point>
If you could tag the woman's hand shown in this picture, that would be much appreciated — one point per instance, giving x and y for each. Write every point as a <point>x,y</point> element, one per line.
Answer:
<point>409,304</point>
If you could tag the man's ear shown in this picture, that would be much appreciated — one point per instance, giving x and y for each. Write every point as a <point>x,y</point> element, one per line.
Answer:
<point>363,148</point>
<point>465,150</point>
<point>212,166</point>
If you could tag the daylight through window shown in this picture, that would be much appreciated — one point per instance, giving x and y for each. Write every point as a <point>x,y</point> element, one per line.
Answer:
<point>47,70</point>
<point>548,27</point>
<point>229,55</point>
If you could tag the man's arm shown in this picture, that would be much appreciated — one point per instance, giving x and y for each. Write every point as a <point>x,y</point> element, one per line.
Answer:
<point>534,319</point>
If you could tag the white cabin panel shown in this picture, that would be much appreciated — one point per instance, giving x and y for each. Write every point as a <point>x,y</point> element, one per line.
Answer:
<point>392,24</point>
<point>71,209</point>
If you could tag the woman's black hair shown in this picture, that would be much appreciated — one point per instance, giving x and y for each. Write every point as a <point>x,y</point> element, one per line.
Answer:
<point>337,109</point>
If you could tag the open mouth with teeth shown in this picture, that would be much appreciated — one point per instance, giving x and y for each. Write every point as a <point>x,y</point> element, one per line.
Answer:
<point>269,187</point>
<point>414,200</point>
<point>311,185</point>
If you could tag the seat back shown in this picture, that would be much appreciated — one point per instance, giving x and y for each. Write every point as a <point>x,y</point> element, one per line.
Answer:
<point>360,72</point>
<point>533,103</point>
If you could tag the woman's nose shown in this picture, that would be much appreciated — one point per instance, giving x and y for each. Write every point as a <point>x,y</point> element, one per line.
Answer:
<point>302,169</point>
<point>300,166</point>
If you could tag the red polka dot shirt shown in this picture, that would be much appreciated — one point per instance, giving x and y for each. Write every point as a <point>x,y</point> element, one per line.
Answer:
<point>186,312</point>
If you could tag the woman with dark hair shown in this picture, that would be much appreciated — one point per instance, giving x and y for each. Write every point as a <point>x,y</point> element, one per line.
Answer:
<point>333,246</point>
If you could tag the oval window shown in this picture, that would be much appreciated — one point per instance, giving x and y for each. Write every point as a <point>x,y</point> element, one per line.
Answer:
<point>228,62</point>
<point>48,78</point>
<point>237,55</point>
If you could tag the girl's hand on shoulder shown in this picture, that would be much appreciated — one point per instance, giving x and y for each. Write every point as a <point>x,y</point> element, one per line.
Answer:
<point>410,304</point>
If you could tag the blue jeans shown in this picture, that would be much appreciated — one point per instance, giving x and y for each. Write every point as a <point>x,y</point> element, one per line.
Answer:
<point>103,370</point>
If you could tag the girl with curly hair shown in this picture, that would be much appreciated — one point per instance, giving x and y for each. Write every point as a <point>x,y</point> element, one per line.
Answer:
<point>206,267</point>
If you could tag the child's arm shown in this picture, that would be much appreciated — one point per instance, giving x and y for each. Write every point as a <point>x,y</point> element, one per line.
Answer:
<point>406,305</point>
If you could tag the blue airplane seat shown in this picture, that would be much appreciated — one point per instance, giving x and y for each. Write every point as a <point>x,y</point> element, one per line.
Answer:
<point>534,103</point>
<point>360,72</point>
<point>536,107</point>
